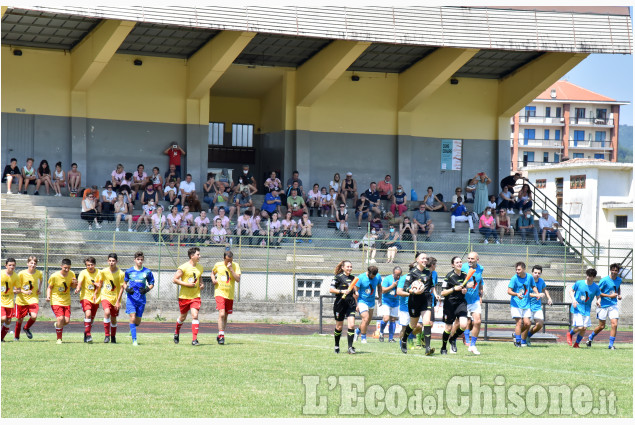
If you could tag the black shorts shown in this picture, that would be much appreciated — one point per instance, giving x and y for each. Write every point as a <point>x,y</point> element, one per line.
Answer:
<point>342,309</point>
<point>452,311</point>
<point>419,303</point>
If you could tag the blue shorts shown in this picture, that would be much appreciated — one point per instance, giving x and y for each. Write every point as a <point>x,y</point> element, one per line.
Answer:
<point>134,307</point>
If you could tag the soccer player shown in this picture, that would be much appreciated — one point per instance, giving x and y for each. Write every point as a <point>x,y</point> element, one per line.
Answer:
<point>88,285</point>
<point>111,292</point>
<point>404,314</point>
<point>610,293</point>
<point>519,288</point>
<point>366,287</point>
<point>389,307</point>
<point>343,286</point>
<point>58,293</point>
<point>135,280</point>
<point>10,287</point>
<point>189,277</point>
<point>473,298</point>
<point>535,302</point>
<point>454,305</point>
<point>225,274</point>
<point>27,301</point>
<point>582,294</point>
<point>419,286</point>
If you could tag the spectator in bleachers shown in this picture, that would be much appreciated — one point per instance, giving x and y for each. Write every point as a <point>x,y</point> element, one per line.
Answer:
<point>399,202</point>
<point>224,220</point>
<point>524,201</point>
<point>243,200</point>
<point>218,232</point>
<point>290,183</point>
<point>172,175</point>
<point>457,192</point>
<point>295,186</point>
<point>248,178</point>
<point>43,177</point>
<point>187,188</point>
<point>117,176</point>
<point>272,203</point>
<point>289,226</point>
<point>421,221</point>
<point>257,226</point>
<point>244,182</point>
<point>146,216</point>
<point>549,227</point>
<point>470,191</point>
<point>244,227</point>
<point>492,202</point>
<point>174,222</point>
<point>335,183</point>
<point>392,244</point>
<point>122,213</point>
<point>506,200</point>
<point>510,181</point>
<point>28,174</point>
<point>149,194</point>
<point>94,190</point>
<point>348,189</point>
<point>186,225</point>
<point>305,226</point>
<point>487,226</point>
<point>341,217</point>
<point>139,179</point>
<point>89,211</point>
<point>376,224</point>
<point>74,179</point>
<point>108,200</point>
<point>432,202</point>
<point>362,209</point>
<point>127,196</point>
<point>157,181</point>
<point>525,225</point>
<point>313,200</point>
<point>158,221</point>
<point>171,194</point>
<point>174,152</point>
<point>329,202</point>
<point>59,179</point>
<point>209,192</point>
<point>273,183</point>
<point>373,197</point>
<point>296,204</point>
<point>504,225</point>
<point>223,180</point>
<point>222,200</point>
<point>274,225</point>
<point>201,224</point>
<point>11,173</point>
<point>407,230</point>
<point>385,189</point>
<point>481,194</point>
<point>459,213</point>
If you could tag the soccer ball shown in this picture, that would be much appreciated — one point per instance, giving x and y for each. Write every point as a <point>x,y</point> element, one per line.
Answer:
<point>417,286</point>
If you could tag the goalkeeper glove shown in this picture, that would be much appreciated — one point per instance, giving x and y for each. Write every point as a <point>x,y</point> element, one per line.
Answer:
<point>129,290</point>
<point>144,290</point>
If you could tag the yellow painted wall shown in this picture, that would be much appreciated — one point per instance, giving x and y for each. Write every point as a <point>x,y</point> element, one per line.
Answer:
<point>272,110</point>
<point>235,110</point>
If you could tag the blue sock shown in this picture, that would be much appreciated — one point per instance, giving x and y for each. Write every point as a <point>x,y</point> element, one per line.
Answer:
<point>357,331</point>
<point>523,341</point>
<point>473,340</point>
<point>133,330</point>
<point>466,333</point>
<point>391,330</point>
<point>592,336</point>
<point>382,326</point>
<point>529,334</point>
<point>411,336</point>
<point>578,339</point>
<point>517,338</point>
<point>363,337</point>
<point>611,341</point>
<point>571,332</point>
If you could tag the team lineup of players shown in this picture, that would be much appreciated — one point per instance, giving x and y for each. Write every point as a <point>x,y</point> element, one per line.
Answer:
<point>106,287</point>
<point>411,298</point>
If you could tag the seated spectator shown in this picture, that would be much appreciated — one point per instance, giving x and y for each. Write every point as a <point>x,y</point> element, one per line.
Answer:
<point>43,177</point>
<point>341,218</point>
<point>11,173</point>
<point>89,211</point>
<point>370,240</point>
<point>348,189</point>
<point>525,225</point>
<point>421,221</point>
<point>139,179</point>
<point>524,201</point>
<point>248,178</point>
<point>108,200</point>
<point>146,216</point>
<point>392,244</point>
<point>505,200</point>
<point>362,209</point>
<point>171,194</point>
<point>173,222</point>
<point>218,232</point>
<point>174,152</point>
<point>222,200</point>
<point>189,197</point>
<point>313,200</point>
<point>295,186</point>
<point>296,204</point>
<point>470,191</point>
<point>224,220</point>
<point>372,195</point>
<point>459,213</point>
<point>94,190</point>
<point>172,175</point>
<point>273,183</point>
<point>549,227</point>
<point>244,183</point>
<point>209,191</point>
<point>376,224</point>
<point>274,227</point>
<point>487,226</point>
<point>186,225</point>
<point>504,225</point>
<point>201,224</point>
<point>149,194</point>
<point>432,202</point>
<point>295,177</point>
<point>117,176</point>
<point>122,212</point>
<point>304,227</point>
<point>272,203</point>
<point>243,201</point>
<point>335,183</point>
<point>289,226</point>
<point>407,230</point>
<point>127,196</point>
<point>28,174</point>
<point>329,201</point>
<point>59,179</point>
<point>158,221</point>
<point>74,180</point>
<point>492,202</point>
<point>510,181</point>
<point>457,192</point>
<point>399,202</point>
<point>257,227</point>
<point>244,227</point>
<point>223,180</point>
<point>385,189</point>
<point>157,181</point>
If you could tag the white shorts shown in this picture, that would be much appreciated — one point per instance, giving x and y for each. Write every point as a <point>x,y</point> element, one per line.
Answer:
<point>363,306</point>
<point>611,312</point>
<point>385,310</point>
<point>580,320</point>
<point>404,318</point>
<point>473,308</point>
<point>537,315</point>
<point>521,313</point>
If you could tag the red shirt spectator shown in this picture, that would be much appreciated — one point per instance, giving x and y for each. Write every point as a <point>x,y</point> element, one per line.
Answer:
<point>174,152</point>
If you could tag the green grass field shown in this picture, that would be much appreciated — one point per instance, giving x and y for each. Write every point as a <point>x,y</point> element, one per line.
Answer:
<point>262,376</point>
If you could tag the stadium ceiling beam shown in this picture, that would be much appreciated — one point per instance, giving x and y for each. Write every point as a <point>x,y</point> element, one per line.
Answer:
<point>526,83</point>
<point>320,72</point>
<point>209,63</point>
<point>94,52</point>
<point>426,76</point>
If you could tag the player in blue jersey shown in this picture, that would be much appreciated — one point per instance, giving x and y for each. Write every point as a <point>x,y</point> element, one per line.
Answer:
<point>368,285</point>
<point>520,287</point>
<point>582,294</point>
<point>135,280</point>
<point>535,302</point>
<point>473,298</point>
<point>389,307</point>
<point>607,308</point>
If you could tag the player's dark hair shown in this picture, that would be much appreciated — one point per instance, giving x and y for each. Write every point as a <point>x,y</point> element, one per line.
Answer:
<point>74,163</point>
<point>192,251</point>
<point>453,258</point>
<point>228,254</point>
<point>140,165</point>
<point>396,268</point>
<point>138,254</point>
<point>113,255</point>
<point>31,258</point>
<point>591,272</point>
<point>66,262</point>
<point>536,267</point>
<point>248,212</point>
<point>430,188</point>
<point>90,260</point>
<point>9,260</point>
<point>459,199</point>
<point>373,270</point>
<point>340,266</point>
<point>156,168</point>
<point>58,163</point>
<point>372,183</point>
<point>14,159</point>
<point>432,261</point>
<point>617,266</point>
<point>521,264</point>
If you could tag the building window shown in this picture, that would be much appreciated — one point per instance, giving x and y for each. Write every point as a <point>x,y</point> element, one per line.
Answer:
<point>216,132</point>
<point>546,137</point>
<point>530,111</point>
<point>541,183</point>
<point>243,135</point>
<point>578,182</point>
<point>600,136</point>
<point>547,111</point>
<point>599,156</point>
<point>308,288</point>
<point>558,112</point>
<point>556,158</point>
<point>578,155</point>
<point>557,134</point>
<point>578,136</point>
<point>600,114</point>
<point>545,157</point>
<point>529,134</point>
<point>621,221</point>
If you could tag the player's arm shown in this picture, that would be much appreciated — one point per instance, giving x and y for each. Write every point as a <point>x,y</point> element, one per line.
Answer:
<point>98,284</point>
<point>452,288</point>
<point>235,275</point>
<point>548,297</point>
<point>574,303</point>
<point>17,289</point>
<point>177,279</point>
<point>535,293</point>
<point>39,286</point>
<point>480,290</point>
<point>149,282</point>
<point>119,295</point>
<point>78,285</point>
<point>49,288</point>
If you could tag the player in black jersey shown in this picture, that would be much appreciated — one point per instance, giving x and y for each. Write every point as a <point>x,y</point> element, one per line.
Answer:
<point>454,304</point>
<point>419,287</point>
<point>345,303</point>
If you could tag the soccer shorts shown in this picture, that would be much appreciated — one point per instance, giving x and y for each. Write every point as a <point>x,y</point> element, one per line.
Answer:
<point>611,312</point>
<point>186,304</point>
<point>224,304</point>
<point>8,312</point>
<point>134,307</point>
<point>474,308</point>
<point>404,318</point>
<point>521,313</point>
<point>581,321</point>
<point>452,311</point>
<point>87,305</point>
<point>537,315</point>
<point>23,310</point>
<point>114,311</point>
<point>386,310</point>
<point>61,310</point>
<point>363,306</point>
<point>419,303</point>
<point>342,309</point>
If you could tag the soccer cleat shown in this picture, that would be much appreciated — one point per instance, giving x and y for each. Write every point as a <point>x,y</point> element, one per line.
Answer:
<point>429,351</point>
<point>88,339</point>
<point>588,343</point>
<point>28,333</point>
<point>444,352</point>
<point>473,350</point>
<point>516,344</point>
<point>113,340</point>
<point>16,339</point>
<point>404,346</point>
<point>337,350</point>
<point>59,341</point>
<point>106,339</point>
<point>351,350</point>
<point>392,340</point>
<point>576,345</point>
<point>364,341</point>
<point>528,342</point>
<point>612,347</point>
<point>569,339</point>
<point>134,342</point>
<point>356,337</point>
<point>523,345</point>
<point>220,339</point>
<point>195,342</point>
<point>453,346</point>
<point>381,338</point>
<point>176,338</point>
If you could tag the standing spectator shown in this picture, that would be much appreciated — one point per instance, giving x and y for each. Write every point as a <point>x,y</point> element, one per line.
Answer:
<point>373,197</point>
<point>139,179</point>
<point>28,174</point>
<point>172,175</point>
<point>74,180</point>
<point>11,172</point>
<point>335,183</point>
<point>146,217</point>
<point>108,200</point>
<point>296,204</point>
<point>171,194</point>
<point>149,194</point>
<point>122,213</point>
<point>487,226</point>
<point>313,200</point>
<point>506,200</point>
<point>341,217</point>
<point>504,225</point>
<point>89,211</point>
<point>209,192</point>
<point>188,194</point>
<point>348,188</point>
<point>392,244</point>
<point>459,213</point>
<point>470,191</point>
<point>175,152</point>
<point>524,201</point>
<point>43,176</point>
<point>362,208</point>
<point>432,202</point>
<point>399,202</point>
<point>525,225</point>
<point>272,202</point>
<point>385,189</point>
<point>243,200</point>
<point>117,176</point>
<point>407,230</point>
<point>481,194</point>
<point>549,226</point>
<point>421,221</point>
<point>224,220</point>
<point>157,181</point>
<point>59,179</point>
<point>273,183</point>
<point>510,181</point>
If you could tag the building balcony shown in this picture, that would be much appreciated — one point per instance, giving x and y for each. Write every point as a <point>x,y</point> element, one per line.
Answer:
<point>589,144</point>
<point>524,165</point>
<point>540,143</point>
<point>557,121</point>
<point>591,122</point>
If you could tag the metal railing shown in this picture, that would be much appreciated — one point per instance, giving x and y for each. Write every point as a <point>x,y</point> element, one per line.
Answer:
<point>486,321</point>
<point>525,119</point>
<point>591,121</point>
<point>540,143</point>
<point>605,145</point>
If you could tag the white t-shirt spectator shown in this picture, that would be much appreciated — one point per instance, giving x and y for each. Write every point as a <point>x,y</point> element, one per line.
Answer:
<point>255,223</point>
<point>275,225</point>
<point>112,196</point>
<point>244,223</point>
<point>187,187</point>
<point>119,177</point>
<point>137,179</point>
<point>287,224</point>
<point>548,223</point>
<point>334,185</point>
<point>201,222</point>
<point>223,221</point>
<point>186,219</point>
<point>170,189</point>
<point>148,209</point>
<point>173,220</point>
<point>155,220</point>
<point>218,234</point>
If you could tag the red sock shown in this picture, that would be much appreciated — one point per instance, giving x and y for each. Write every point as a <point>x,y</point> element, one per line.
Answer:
<point>16,332</point>
<point>178,327</point>
<point>87,326</point>
<point>194,329</point>
<point>29,323</point>
<point>59,332</point>
<point>113,330</point>
<point>107,328</point>
<point>5,330</point>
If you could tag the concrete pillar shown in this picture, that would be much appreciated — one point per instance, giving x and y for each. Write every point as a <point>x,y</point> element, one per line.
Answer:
<point>566,111</point>
<point>196,135</point>
<point>615,110</point>
<point>404,152</point>
<point>303,145</point>
<point>79,136</point>
<point>503,152</point>
<point>515,158</point>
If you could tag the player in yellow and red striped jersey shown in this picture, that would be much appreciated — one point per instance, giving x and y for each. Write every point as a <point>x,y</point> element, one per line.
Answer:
<point>10,287</point>
<point>58,293</point>
<point>88,285</point>
<point>189,276</point>
<point>112,278</point>
<point>27,301</point>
